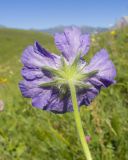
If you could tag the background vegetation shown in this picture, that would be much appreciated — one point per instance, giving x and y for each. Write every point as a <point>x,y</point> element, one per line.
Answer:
<point>27,133</point>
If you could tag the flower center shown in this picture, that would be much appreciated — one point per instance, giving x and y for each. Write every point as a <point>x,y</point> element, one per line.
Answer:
<point>68,72</point>
<point>61,77</point>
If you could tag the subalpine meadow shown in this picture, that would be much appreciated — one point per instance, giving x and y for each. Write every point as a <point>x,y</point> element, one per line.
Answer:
<point>27,133</point>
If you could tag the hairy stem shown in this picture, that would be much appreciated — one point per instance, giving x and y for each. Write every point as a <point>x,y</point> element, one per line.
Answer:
<point>78,121</point>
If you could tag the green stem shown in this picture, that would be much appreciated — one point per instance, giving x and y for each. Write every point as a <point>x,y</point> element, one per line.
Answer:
<point>78,121</point>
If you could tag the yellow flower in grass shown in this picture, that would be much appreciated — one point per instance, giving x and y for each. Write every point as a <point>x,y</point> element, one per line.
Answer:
<point>3,80</point>
<point>113,33</point>
<point>93,39</point>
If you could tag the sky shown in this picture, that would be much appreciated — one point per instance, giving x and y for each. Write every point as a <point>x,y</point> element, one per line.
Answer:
<point>41,14</point>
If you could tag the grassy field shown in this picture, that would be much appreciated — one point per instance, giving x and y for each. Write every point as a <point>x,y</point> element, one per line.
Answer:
<point>27,133</point>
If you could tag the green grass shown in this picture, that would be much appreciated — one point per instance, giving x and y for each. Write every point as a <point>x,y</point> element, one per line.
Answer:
<point>27,133</point>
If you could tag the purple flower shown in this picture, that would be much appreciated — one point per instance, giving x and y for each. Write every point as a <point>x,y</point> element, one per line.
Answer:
<point>46,75</point>
<point>88,138</point>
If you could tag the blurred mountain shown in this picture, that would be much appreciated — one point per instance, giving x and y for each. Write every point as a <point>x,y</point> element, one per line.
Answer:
<point>122,22</point>
<point>2,26</point>
<point>60,29</point>
<point>84,29</point>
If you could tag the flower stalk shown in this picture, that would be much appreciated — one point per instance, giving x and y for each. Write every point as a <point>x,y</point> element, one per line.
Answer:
<point>78,121</point>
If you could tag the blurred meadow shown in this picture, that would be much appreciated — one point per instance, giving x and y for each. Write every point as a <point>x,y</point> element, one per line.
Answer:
<point>27,133</point>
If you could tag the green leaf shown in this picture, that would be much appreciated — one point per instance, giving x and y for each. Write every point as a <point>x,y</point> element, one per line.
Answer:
<point>49,84</point>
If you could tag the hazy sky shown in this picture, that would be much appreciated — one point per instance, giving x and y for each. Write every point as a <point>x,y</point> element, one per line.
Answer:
<point>49,13</point>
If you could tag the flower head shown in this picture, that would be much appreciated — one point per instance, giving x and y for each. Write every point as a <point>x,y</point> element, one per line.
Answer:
<point>88,138</point>
<point>47,75</point>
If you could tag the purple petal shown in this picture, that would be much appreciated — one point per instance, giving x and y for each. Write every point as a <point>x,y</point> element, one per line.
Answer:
<point>33,58</point>
<point>85,44</point>
<point>106,69</point>
<point>30,89</point>
<point>42,99</point>
<point>54,59</point>
<point>86,96</point>
<point>104,77</point>
<point>57,104</point>
<point>31,74</point>
<point>41,51</point>
<point>99,58</point>
<point>71,42</point>
<point>90,95</point>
